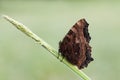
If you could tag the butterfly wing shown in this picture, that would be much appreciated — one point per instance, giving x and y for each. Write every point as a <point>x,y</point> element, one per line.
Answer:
<point>75,45</point>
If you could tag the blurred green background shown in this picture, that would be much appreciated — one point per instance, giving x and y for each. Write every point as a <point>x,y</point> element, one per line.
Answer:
<point>23,59</point>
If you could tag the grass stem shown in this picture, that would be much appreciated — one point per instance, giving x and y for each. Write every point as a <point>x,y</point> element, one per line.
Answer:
<point>54,52</point>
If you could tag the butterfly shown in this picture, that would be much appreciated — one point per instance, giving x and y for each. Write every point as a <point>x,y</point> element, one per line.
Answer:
<point>75,46</point>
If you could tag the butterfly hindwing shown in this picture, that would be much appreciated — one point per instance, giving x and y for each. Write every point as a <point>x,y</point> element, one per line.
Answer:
<point>75,46</point>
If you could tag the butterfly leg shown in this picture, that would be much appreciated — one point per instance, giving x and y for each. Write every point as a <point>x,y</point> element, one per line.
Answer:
<point>62,59</point>
<point>58,55</point>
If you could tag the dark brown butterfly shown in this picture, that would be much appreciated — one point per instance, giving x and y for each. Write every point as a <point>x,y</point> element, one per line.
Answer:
<point>75,46</point>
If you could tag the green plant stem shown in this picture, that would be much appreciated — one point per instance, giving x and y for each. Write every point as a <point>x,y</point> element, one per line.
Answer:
<point>54,52</point>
